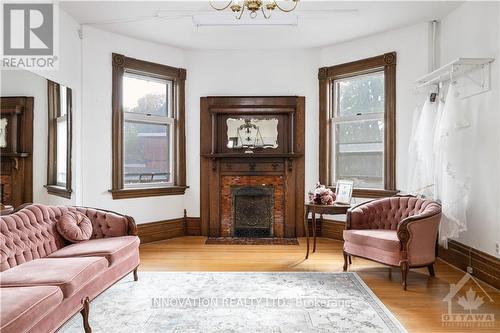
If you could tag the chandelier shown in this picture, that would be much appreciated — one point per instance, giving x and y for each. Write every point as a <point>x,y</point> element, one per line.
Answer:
<point>253,6</point>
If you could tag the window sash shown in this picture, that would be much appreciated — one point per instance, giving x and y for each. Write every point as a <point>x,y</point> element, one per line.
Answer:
<point>170,123</point>
<point>61,124</point>
<point>335,120</point>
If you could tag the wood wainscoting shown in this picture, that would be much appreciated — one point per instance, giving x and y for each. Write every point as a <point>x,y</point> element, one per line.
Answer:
<point>484,266</point>
<point>167,229</point>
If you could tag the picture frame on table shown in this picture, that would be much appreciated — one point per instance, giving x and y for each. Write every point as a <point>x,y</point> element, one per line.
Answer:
<point>343,192</point>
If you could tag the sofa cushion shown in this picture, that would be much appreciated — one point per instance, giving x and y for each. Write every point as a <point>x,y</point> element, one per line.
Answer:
<point>69,274</point>
<point>74,227</point>
<point>24,306</point>
<point>113,249</point>
<point>386,240</point>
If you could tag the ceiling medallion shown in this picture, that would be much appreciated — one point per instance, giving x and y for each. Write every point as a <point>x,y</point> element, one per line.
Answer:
<point>253,6</point>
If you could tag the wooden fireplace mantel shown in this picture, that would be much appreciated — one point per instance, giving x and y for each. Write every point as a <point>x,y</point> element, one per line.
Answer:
<point>221,167</point>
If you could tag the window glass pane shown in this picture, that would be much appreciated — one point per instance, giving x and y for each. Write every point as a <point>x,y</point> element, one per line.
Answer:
<point>146,95</point>
<point>360,94</point>
<point>61,151</point>
<point>359,153</point>
<point>147,157</point>
<point>63,102</point>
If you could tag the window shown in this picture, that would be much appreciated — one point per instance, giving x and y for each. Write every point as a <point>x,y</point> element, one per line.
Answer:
<point>148,129</point>
<point>59,142</point>
<point>357,125</point>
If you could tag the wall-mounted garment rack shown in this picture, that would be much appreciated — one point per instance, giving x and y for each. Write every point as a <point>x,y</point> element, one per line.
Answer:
<point>473,70</point>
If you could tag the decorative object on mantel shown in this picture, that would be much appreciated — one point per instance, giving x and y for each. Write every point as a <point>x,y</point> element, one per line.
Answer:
<point>321,195</point>
<point>267,7</point>
<point>175,302</point>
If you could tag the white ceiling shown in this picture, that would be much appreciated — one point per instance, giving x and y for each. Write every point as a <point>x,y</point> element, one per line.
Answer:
<point>320,23</point>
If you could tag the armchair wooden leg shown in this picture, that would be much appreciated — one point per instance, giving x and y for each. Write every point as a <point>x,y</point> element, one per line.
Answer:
<point>345,262</point>
<point>136,278</point>
<point>404,274</point>
<point>431,270</point>
<point>350,260</point>
<point>85,315</point>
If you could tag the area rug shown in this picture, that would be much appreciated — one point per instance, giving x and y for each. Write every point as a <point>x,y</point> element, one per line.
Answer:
<point>251,241</point>
<point>303,302</point>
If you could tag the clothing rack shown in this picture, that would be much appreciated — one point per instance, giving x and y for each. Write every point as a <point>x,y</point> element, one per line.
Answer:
<point>475,70</point>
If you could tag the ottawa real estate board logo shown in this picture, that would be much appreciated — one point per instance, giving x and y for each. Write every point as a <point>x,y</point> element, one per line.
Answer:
<point>466,302</point>
<point>29,40</point>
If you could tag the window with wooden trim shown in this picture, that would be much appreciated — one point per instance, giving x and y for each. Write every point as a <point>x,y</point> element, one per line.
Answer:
<point>148,129</point>
<point>357,125</point>
<point>59,139</point>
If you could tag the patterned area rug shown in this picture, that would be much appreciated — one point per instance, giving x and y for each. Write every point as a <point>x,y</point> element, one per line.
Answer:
<point>238,302</point>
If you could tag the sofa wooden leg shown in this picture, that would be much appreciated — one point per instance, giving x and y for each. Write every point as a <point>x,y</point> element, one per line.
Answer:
<point>85,315</point>
<point>431,270</point>
<point>345,262</point>
<point>404,274</point>
<point>136,277</point>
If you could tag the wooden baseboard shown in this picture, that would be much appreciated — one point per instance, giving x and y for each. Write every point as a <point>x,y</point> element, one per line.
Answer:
<point>193,226</point>
<point>328,228</point>
<point>484,266</point>
<point>161,230</point>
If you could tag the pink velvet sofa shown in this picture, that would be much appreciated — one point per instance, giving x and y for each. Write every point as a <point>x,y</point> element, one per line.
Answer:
<point>399,231</point>
<point>44,280</point>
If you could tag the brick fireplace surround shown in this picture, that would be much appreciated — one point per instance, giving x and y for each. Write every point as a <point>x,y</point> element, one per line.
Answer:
<point>226,200</point>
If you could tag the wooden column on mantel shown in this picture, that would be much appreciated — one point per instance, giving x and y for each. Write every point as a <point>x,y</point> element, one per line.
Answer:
<point>217,160</point>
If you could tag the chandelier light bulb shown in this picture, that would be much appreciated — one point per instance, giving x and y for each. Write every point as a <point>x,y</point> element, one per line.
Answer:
<point>266,7</point>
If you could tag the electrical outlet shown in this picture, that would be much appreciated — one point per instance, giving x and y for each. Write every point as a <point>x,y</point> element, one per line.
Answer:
<point>470,270</point>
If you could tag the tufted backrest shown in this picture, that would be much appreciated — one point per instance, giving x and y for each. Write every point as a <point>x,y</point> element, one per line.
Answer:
<point>104,223</point>
<point>28,234</point>
<point>31,232</point>
<point>386,213</point>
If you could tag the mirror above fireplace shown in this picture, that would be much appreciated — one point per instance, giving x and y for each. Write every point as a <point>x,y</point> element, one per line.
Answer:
<point>252,133</point>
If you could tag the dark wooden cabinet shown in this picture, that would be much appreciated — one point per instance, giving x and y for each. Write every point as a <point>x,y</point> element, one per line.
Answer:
<point>223,168</point>
<point>16,150</point>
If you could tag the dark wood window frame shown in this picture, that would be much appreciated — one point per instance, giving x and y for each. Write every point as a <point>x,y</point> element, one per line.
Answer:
<point>122,63</point>
<point>326,76</point>
<point>54,107</point>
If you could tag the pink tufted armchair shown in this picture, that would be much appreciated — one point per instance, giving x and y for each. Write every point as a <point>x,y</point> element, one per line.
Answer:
<point>399,231</point>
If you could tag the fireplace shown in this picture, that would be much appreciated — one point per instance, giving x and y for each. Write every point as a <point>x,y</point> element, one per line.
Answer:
<point>252,167</point>
<point>252,211</point>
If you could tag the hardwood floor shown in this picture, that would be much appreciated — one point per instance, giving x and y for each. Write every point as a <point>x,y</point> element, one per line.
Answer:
<point>419,309</point>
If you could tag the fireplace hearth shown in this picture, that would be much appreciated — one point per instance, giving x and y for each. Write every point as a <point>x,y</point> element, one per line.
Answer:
<point>252,211</point>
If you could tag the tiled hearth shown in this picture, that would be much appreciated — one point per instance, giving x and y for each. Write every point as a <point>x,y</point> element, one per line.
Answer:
<point>229,182</point>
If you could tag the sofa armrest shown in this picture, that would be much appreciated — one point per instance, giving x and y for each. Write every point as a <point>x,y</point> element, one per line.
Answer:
<point>107,223</point>
<point>357,217</point>
<point>418,236</point>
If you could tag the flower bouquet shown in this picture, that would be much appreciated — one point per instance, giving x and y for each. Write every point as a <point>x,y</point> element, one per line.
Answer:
<point>321,195</point>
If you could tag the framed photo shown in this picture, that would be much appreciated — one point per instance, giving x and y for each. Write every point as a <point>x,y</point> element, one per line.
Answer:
<point>344,192</point>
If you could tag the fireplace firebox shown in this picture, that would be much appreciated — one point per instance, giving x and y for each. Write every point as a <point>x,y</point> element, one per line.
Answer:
<point>252,211</point>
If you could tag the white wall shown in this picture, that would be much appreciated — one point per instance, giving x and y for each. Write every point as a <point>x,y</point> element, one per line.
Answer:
<point>472,30</point>
<point>23,83</point>
<point>411,45</point>
<point>96,123</point>
<point>249,73</point>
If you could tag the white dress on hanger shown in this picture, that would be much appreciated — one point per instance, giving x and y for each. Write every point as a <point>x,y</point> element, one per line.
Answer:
<point>452,169</point>
<point>422,151</point>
